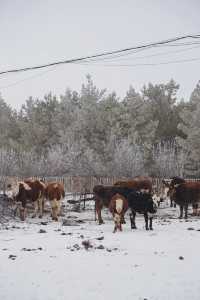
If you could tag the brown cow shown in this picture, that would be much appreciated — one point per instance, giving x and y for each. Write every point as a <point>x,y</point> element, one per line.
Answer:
<point>54,193</point>
<point>140,183</point>
<point>103,195</point>
<point>184,193</point>
<point>118,207</point>
<point>33,191</point>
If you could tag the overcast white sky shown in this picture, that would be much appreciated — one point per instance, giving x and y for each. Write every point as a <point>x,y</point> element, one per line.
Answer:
<point>40,31</point>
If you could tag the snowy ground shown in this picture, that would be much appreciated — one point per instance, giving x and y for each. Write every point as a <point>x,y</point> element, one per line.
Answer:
<point>54,265</point>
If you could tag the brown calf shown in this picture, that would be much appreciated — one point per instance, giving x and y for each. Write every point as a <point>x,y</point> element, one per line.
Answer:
<point>103,196</point>
<point>118,207</point>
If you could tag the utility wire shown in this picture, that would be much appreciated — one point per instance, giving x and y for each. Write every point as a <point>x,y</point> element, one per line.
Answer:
<point>129,53</point>
<point>102,54</point>
<point>145,64</point>
<point>121,58</point>
<point>28,78</point>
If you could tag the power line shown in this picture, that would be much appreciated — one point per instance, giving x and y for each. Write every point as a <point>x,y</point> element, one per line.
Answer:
<point>146,64</point>
<point>140,50</point>
<point>27,78</point>
<point>102,54</point>
<point>121,58</point>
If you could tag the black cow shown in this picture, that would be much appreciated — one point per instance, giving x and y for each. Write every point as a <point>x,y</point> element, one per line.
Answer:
<point>143,204</point>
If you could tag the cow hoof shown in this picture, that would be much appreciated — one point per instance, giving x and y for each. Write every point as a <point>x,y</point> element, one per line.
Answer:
<point>33,216</point>
<point>133,227</point>
<point>151,228</point>
<point>147,228</point>
<point>40,216</point>
<point>101,222</point>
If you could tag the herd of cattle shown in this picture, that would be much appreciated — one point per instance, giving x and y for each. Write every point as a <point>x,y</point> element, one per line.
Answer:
<point>136,195</point>
<point>36,192</point>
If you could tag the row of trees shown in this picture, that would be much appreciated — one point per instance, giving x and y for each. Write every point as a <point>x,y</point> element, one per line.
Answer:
<point>95,133</point>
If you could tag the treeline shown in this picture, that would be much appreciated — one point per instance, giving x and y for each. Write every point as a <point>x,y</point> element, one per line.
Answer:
<point>96,133</point>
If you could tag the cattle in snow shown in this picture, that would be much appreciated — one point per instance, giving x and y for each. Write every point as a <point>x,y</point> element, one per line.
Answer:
<point>54,192</point>
<point>184,193</point>
<point>141,203</point>
<point>103,196</point>
<point>118,207</point>
<point>33,191</point>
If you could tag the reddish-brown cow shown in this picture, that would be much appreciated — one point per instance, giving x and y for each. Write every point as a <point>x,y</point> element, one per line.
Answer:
<point>54,193</point>
<point>33,191</point>
<point>118,207</point>
<point>103,196</point>
<point>139,183</point>
<point>184,193</point>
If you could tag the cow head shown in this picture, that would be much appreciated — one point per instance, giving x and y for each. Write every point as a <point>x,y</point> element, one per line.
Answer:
<point>152,207</point>
<point>151,204</point>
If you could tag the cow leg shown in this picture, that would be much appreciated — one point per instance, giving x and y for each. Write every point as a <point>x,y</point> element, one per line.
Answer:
<point>174,204</point>
<point>117,220</point>
<point>54,207</point>
<point>146,220</point>
<point>181,212</point>
<point>171,203</point>
<point>132,219</point>
<point>195,208</point>
<point>41,206</point>
<point>22,213</point>
<point>186,211</point>
<point>59,207</point>
<point>123,219</point>
<point>35,204</point>
<point>151,223</point>
<point>98,210</point>
<point>115,228</point>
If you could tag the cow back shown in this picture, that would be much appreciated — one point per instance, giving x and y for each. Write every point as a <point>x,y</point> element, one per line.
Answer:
<point>138,183</point>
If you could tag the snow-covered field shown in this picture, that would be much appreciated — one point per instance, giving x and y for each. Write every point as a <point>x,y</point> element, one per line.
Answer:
<point>54,265</point>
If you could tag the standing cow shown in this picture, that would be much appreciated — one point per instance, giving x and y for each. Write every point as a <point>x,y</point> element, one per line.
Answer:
<point>169,185</point>
<point>184,193</point>
<point>54,193</point>
<point>141,203</point>
<point>33,191</point>
<point>118,207</point>
<point>103,196</point>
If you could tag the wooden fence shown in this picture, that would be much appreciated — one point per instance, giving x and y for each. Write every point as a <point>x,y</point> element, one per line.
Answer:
<point>74,184</point>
